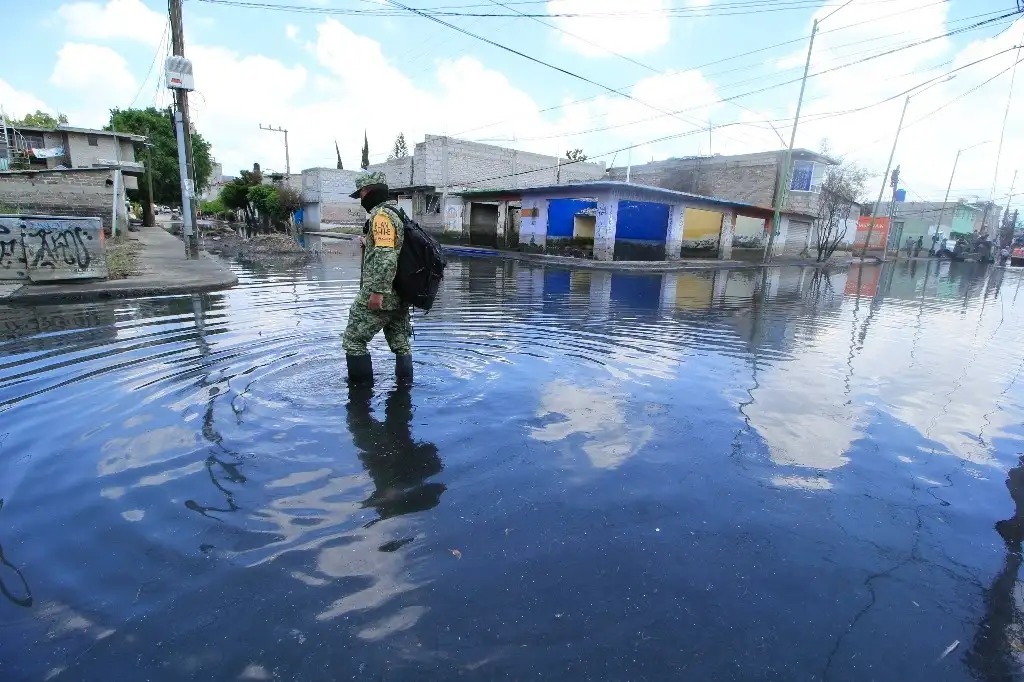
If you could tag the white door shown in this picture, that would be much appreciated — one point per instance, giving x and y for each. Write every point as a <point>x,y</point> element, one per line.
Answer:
<point>796,238</point>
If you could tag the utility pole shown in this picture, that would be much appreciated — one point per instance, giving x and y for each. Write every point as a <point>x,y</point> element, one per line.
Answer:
<point>885,178</point>
<point>287,159</point>
<point>782,186</point>
<point>1009,198</point>
<point>190,226</point>
<point>148,212</point>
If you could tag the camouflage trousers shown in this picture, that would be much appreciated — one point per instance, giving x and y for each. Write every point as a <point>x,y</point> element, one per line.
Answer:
<point>364,324</point>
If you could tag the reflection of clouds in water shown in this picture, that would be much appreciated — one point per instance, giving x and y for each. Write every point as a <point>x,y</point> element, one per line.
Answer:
<point>596,414</point>
<point>802,418</point>
<point>302,521</point>
<point>122,454</point>
<point>802,482</point>
<point>327,521</point>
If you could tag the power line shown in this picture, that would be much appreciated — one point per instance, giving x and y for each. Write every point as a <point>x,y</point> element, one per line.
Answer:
<point>156,58</point>
<point>738,56</point>
<point>720,10</point>
<point>760,90</point>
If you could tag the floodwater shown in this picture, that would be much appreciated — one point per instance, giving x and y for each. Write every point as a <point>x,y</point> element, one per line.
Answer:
<point>723,475</point>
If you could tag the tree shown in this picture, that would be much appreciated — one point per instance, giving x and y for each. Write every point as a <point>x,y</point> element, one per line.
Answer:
<point>338,152</point>
<point>235,194</point>
<point>366,153</point>
<point>400,149</point>
<point>842,187</point>
<point>576,155</point>
<point>40,119</point>
<point>158,126</point>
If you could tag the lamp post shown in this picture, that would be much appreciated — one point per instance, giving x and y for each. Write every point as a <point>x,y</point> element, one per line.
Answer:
<point>782,184</point>
<point>942,211</point>
<point>888,167</point>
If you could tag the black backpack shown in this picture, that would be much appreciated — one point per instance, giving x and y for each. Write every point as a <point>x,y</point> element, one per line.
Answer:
<point>421,264</point>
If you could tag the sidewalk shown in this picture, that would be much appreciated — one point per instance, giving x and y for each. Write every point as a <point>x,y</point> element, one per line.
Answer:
<point>163,270</point>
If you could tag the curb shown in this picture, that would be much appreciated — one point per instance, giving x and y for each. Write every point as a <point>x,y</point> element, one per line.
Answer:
<point>22,297</point>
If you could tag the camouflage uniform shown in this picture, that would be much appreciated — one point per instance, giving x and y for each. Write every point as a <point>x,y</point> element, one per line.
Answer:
<point>380,263</point>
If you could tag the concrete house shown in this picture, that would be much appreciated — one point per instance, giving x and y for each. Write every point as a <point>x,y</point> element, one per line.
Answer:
<point>68,170</point>
<point>430,182</point>
<point>747,179</point>
<point>612,220</point>
<point>913,219</point>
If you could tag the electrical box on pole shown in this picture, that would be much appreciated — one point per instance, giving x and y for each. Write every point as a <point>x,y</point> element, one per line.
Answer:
<point>178,73</point>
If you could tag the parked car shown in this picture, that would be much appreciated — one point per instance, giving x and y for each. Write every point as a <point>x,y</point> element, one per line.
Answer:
<point>1017,256</point>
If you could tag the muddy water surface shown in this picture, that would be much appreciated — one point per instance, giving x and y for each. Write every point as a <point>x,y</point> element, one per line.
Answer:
<point>708,475</point>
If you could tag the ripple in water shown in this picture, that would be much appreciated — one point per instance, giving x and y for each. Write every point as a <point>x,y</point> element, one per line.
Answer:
<point>680,467</point>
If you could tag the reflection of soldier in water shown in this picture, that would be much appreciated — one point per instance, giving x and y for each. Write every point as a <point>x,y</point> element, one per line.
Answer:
<point>993,654</point>
<point>398,465</point>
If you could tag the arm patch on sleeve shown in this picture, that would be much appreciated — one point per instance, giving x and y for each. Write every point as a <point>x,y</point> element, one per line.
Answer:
<point>383,231</point>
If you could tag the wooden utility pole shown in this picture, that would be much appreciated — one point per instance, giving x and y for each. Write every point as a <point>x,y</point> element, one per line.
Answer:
<point>191,229</point>
<point>148,209</point>
<point>782,184</point>
<point>287,161</point>
<point>885,179</point>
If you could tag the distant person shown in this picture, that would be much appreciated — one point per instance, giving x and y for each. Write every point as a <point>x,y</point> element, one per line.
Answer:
<point>909,246</point>
<point>1004,255</point>
<point>918,246</point>
<point>377,305</point>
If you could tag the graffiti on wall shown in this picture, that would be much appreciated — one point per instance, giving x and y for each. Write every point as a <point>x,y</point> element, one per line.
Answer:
<point>12,256</point>
<point>51,249</point>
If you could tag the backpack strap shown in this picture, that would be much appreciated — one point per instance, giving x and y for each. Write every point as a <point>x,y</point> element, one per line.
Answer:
<point>398,212</point>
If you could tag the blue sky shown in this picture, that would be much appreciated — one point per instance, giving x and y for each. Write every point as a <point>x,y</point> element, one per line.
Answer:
<point>329,76</point>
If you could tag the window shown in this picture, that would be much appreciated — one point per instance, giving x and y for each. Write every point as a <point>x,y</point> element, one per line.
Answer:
<point>807,176</point>
<point>94,141</point>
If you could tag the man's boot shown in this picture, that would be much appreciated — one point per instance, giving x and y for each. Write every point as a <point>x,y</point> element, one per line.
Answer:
<point>403,369</point>
<point>360,370</point>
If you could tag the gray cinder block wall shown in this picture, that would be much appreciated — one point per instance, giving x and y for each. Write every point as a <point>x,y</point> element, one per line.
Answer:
<point>79,192</point>
<point>746,178</point>
<point>441,161</point>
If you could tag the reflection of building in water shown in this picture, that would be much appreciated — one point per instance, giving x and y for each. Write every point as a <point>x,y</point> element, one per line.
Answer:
<point>34,326</point>
<point>596,414</point>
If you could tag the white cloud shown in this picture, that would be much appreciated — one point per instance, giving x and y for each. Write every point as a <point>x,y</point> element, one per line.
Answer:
<point>292,31</point>
<point>698,3</point>
<point>638,29</point>
<point>17,103</point>
<point>117,19</point>
<point>97,76</point>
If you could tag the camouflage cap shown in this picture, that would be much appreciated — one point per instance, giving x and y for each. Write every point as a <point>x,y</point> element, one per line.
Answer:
<point>369,180</point>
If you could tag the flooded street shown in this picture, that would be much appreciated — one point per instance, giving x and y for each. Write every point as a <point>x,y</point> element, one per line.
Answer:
<point>725,475</point>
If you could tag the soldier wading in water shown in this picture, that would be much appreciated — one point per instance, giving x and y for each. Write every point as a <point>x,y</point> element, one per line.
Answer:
<point>378,306</point>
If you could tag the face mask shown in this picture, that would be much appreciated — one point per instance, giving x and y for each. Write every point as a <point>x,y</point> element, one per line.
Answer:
<point>373,198</point>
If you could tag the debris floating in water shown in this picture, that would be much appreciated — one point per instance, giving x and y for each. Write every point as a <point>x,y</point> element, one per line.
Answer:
<point>458,555</point>
<point>950,649</point>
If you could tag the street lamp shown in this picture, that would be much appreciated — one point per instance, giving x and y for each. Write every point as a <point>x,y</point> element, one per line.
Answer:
<point>888,167</point>
<point>942,211</point>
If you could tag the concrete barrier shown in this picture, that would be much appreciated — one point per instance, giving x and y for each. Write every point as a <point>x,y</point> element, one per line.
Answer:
<point>51,248</point>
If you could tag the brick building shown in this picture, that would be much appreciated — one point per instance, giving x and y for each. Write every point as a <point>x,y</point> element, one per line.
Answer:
<point>83,192</point>
<point>749,179</point>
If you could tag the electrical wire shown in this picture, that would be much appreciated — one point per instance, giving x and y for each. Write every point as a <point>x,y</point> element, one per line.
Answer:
<point>732,57</point>
<point>720,10</point>
<point>156,58</point>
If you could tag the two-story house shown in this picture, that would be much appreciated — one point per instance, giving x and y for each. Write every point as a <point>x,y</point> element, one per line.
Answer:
<point>68,171</point>
<point>749,179</point>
